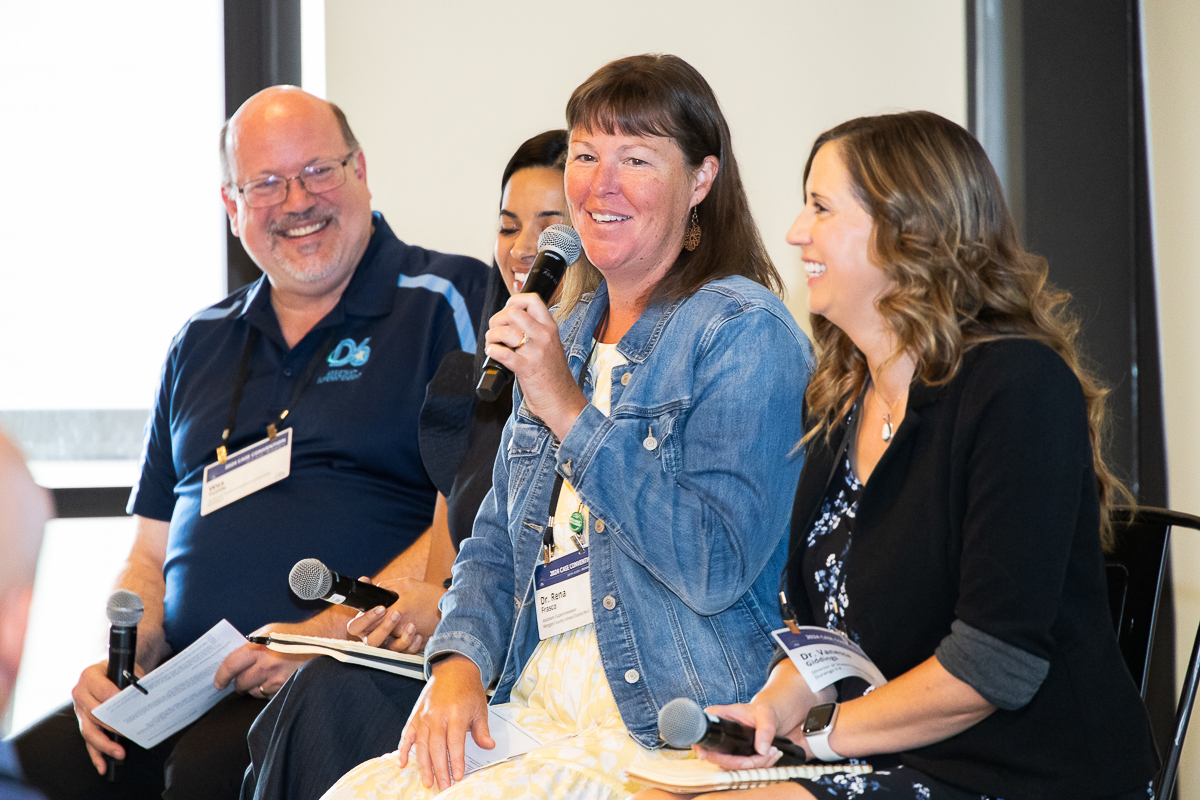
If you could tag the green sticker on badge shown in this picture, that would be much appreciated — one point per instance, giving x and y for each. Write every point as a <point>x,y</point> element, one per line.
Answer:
<point>576,522</point>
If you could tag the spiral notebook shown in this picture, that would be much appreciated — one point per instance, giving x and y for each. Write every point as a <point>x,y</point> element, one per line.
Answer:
<point>346,650</point>
<point>691,775</point>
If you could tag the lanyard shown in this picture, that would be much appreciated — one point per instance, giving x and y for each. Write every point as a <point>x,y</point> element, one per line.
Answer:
<point>244,372</point>
<point>548,534</point>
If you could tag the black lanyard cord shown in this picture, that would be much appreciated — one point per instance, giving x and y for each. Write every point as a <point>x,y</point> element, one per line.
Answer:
<point>310,370</point>
<point>548,534</point>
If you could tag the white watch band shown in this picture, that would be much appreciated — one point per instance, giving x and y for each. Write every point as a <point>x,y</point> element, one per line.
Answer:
<point>819,742</point>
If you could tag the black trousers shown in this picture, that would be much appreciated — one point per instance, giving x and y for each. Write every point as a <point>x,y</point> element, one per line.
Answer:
<point>205,761</point>
<point>329,718</point>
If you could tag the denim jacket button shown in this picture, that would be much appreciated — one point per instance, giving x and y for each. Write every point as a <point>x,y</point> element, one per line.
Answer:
<point>631,676</point>
<point>609,602</point>
<point>599,526</point>
<point>625,378</point>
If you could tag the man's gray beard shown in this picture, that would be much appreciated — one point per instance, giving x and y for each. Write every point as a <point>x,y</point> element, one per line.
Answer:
<point>327,268</point>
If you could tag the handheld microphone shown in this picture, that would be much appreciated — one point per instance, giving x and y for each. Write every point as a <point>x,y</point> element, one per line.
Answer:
<point>558,248</point>
<point>124,610</point>
<point>312,580</point>
<point>682,723</point>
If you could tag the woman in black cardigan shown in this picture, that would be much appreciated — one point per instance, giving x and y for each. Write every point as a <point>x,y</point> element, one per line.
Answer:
<point>950,513</point>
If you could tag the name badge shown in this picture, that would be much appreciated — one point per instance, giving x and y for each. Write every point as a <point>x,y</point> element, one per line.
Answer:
<point>564,594</point>
<point>823,657</point>
<point>246,471</point>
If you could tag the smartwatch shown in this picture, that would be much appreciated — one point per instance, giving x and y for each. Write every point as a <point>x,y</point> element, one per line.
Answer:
<point>817,727</point>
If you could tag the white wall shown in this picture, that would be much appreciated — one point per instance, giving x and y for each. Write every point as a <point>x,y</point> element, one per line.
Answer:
<point>440,94</point>
<point>1173,73</point>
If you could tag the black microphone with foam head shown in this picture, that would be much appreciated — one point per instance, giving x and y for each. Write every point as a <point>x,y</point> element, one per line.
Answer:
<point>682,723</point>
<point>312,580</point>
<point>125,611</point>
<point>558,248</point>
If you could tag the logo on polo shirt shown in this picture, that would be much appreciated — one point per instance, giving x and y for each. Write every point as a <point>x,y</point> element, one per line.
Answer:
<point>349,353</point>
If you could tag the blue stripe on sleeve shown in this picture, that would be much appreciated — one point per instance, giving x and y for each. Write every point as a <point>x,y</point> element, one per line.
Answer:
<point>462,317</point>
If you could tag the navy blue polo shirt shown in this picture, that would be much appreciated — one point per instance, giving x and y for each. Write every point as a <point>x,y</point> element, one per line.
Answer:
<point>358,494</point>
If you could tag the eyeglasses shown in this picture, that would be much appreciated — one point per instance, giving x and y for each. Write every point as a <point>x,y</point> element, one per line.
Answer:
<point>316,178</point>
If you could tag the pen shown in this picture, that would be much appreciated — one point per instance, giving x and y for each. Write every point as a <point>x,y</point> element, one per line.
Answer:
<point>259,639</point>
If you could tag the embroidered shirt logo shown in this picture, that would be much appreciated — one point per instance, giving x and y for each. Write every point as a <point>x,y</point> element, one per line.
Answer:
<point>347,352</point>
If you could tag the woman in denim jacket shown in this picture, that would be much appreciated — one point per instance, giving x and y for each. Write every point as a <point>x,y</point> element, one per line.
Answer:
<point>656,425</point>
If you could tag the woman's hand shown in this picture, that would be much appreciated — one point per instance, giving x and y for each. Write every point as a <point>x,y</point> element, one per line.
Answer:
<point>754,714</point>
<point>407,624</point>
<point>539,363</point>
<point>778,709</point>
<point>452,703</point>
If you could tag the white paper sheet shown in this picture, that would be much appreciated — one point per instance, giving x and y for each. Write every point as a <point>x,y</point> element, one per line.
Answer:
<point>180,691</point>
<point>511,741</point>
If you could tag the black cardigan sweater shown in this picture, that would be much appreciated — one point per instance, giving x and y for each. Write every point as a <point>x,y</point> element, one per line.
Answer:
<point>984,508</point>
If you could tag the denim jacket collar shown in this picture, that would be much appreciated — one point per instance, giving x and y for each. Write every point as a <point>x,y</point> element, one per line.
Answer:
<point>637,343</point>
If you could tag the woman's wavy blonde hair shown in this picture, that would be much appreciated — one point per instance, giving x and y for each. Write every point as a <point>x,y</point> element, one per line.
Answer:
<point>944,236</point>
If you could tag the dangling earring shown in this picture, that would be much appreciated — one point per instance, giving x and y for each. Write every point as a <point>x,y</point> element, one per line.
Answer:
<point>691,237</point>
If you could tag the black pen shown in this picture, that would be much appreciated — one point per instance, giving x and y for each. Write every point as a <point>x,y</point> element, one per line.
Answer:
<point>259,639</point>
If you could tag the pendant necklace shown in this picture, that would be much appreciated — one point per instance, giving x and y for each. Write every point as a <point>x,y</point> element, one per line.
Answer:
<point>887,431</point>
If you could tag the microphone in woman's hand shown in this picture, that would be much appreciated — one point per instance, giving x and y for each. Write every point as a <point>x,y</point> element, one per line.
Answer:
<point>312,580</point>
<point>682,723</point>
<point>558,248</point>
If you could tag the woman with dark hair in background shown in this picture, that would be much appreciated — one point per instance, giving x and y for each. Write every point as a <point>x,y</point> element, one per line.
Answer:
<point>645,447</point>
<point>332,716</point>
<point>950,515</point>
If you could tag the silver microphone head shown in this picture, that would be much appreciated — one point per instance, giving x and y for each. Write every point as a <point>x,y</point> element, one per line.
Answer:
<point>562,239</point>
<point>310,579</point>
<point>681,722</point>
<point>125,608</point>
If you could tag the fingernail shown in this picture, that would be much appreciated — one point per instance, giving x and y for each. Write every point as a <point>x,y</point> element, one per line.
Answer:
<point>379,610</point>
<point>410,628</point>
<point>395,616</point>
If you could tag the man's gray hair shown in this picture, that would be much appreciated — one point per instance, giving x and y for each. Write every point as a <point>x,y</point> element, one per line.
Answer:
<point>227,173</point>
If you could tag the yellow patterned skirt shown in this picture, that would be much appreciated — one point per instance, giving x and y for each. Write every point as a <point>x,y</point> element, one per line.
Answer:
<point>563,698</point>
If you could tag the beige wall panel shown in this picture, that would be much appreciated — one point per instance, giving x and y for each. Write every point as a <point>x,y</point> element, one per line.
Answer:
<point>1172,40</point>
<point>440,94</point>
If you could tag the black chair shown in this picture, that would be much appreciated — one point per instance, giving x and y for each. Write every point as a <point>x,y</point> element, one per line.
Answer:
<point>1135,570</point>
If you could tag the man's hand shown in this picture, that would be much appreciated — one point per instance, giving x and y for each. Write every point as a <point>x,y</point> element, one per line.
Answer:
<point>94,688</point>
<point>452,704</point>
<point>408,624</point>
<point>258,671</point>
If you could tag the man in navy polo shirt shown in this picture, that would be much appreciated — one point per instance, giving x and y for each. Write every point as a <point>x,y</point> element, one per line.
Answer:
<point>320,367</point>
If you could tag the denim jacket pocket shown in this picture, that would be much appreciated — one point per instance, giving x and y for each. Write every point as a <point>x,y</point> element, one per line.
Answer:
<point>660,437</point>
<point>524,450</point>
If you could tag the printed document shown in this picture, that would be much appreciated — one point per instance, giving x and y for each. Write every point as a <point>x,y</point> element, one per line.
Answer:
<point>511,741</point>
<point>178,692</point>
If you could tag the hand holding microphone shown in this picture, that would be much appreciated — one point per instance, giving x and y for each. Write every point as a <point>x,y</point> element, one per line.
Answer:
<point>558,247</point>
<point>682,723</point>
